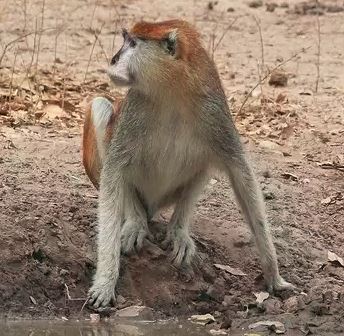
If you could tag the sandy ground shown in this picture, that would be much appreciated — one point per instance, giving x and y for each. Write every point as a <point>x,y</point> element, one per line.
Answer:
<point>294,135</point>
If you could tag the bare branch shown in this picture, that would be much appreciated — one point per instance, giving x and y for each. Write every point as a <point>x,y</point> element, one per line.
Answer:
<point>261,41</point>
<point>224,33</point>
<point>318,49</point>
<point>40,35</point>
<point>303,50</point>
<point>13,42</point>
<point>96,35</point>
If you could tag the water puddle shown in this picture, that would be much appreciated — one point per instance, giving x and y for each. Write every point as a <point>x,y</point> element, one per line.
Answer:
<point>113,328</point>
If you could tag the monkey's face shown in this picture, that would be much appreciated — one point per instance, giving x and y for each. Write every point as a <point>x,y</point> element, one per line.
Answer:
<point>143,62</point>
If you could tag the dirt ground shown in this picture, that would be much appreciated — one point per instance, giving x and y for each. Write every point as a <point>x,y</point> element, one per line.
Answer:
<point>50,67</point>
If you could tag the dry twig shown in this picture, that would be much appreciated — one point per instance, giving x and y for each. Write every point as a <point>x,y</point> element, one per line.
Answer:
<point>318,49</point>
<point>261,42</point>
<point>12,73</point>
<point>13,42</point>
<point>40,36</point>
<point>268,74</point>
<point>214,45</point>
<point>69,297</point>
<point>96,35</point>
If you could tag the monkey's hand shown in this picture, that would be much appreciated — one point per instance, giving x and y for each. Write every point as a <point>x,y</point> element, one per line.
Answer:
<point>184,248</point>
<point>102,293</point>
<point>133,234</point>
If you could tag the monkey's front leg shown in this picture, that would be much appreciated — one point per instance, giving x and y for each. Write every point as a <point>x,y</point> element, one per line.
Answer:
<point>178,233</point>
<point>110,217</point>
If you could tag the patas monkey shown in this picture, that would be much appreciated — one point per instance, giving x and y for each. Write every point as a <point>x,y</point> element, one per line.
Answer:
<point>156,146</point>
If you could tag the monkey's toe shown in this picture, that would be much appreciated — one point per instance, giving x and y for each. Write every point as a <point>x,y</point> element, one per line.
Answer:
<point>184,248</point>
<point>279,284</point>
<point>133,236</point>
<point>101,295</point>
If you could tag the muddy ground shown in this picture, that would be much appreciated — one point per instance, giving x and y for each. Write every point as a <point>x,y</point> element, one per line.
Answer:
<point>49,69</point>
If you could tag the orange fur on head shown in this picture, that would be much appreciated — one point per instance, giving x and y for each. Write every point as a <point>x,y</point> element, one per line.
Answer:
<point>188,40</point>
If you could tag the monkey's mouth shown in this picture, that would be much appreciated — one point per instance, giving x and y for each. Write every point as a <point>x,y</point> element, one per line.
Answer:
<point>120,80</point>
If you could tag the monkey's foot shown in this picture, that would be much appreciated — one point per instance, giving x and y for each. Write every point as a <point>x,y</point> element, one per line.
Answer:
<point>278,284</point>
<point>101,294</point>
<point>133,235</point>
<point>184,248</point>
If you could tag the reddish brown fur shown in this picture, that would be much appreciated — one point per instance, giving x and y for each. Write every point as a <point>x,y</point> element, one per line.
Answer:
<point>192,68</point>
<point>188,38</point>
<point>192,58</point>
<point>91,159</point>
<point>90,156</point>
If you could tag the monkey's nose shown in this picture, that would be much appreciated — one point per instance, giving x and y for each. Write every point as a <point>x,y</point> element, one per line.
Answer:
<point>114,59</point>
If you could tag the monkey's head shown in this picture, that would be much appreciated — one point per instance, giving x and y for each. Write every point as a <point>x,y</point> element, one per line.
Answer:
<point>158,56</point>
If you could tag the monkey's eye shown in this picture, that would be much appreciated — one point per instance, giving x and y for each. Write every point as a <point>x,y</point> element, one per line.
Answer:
<point>132,43</point>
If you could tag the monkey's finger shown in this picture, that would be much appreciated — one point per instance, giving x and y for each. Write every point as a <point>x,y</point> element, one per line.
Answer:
<point>99,299</point>
<point>141,237</point>
<point>150,236</point>
<point>178,253</point>
<point>189,253</point>
<point>128,243</point>
<point>165,244</point>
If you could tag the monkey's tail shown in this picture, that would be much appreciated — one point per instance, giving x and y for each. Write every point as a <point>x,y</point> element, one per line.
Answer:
<point>102,111</point>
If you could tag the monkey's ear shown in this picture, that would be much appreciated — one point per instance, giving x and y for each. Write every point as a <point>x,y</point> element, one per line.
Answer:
<point>125,33</point>
<point>169,43</point>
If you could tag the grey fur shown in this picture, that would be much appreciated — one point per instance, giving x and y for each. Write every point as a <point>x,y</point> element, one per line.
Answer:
<point>158,157</point>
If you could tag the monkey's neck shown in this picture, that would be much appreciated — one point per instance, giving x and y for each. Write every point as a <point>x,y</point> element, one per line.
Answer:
<point>163,100</point>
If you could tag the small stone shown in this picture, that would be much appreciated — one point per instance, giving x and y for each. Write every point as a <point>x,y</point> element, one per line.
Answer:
<point>276,326</point>
<point>270,7</point>
<point>230,9</point>
<point>227,300</point>
<point>202,319</point>
<point>203,307</point>
<point>120,299</point>
<point>272,306</point>
<point>217,332</point>
<point>213,181</point>
<point>142,312</point>
<point>291,305</point>
<point>271,146</point>
<point>217,290</point>
<point>64,272</point>
<point>319,309</point>
<point>330,296</point>
<point>33,300</point>
<point>335,8</point>
<point>227,322</point>
<point>278,78</point>
<point>255,3</point>
<point>95,318</point>
<point>266,174</point>
<point>269,195</point>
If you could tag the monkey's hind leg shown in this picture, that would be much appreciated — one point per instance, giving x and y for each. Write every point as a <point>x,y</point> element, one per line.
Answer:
<point>178,232</point>
<point>135,227</point>
<point>251,201</point>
